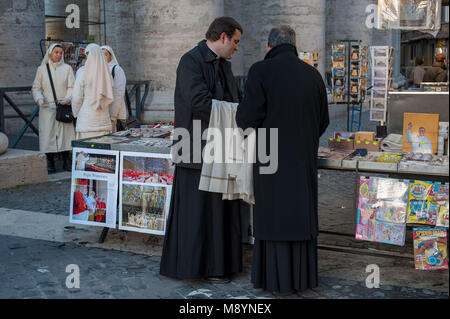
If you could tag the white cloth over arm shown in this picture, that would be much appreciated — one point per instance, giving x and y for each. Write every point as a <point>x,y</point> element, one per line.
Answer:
<point>228,171</point>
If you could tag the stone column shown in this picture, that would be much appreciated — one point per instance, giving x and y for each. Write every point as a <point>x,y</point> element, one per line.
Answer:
<point>95,15</point>
<point>346,20</point>
<point>306,17</point>
<point>164,31</point>
<point>21,28</point>
<point>120,33</point>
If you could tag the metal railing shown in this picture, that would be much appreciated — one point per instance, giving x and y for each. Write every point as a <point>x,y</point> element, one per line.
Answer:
<point>132,120</point>
<point>28,120</point>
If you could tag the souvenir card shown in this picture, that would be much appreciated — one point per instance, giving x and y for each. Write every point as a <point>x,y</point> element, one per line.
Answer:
<point>442,198</point>
<point>380,73</point>
<point>145,187</point>
<point>430,248</point>
<point>94,187</point>
<point>389,233</point>
<point>377,115</point>
<point>379,104</point>
<point>339,65</point>
<point>422,209</point>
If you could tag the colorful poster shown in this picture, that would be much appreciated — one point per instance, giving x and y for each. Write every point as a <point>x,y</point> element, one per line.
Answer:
<point>422,208</point>
<point>430,248</point>
<point>389,233</point>
<point>94,187</point>
<point>441,199</point>
<point>146,169</point>
<point>420,133</point>
<point>145,190</point>
<point>382,210</point>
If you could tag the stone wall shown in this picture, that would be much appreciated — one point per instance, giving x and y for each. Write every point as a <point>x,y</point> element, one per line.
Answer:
<point>346,20</point>
<point>149,37</point>
<point>21,28</point>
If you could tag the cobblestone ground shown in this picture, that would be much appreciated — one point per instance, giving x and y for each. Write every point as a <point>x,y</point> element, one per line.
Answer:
<point>31,268</point>
<point>37,269</point>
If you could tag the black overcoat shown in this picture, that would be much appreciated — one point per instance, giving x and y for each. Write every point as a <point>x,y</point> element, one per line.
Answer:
<point>196,85</point>
<point>285,93</point>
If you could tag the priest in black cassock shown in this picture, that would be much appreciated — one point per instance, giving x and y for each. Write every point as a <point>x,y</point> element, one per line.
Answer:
<point>285,93</point>
<point>203,235</point>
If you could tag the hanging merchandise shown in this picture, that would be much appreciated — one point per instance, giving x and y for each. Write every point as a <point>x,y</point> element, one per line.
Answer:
<point>338,72</point>
<point>422,208</point>
<point>382,210</point>
<point>422,15</point>
<point>382,69</point>
<point>442,202</point>
<point>430,248</point>
<point>349,80</point>
<point>310,58</point>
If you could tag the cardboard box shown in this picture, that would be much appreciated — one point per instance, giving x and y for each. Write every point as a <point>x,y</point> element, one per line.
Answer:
<point>368,136</point>
<point>370,146</point>
<point>342,144</point>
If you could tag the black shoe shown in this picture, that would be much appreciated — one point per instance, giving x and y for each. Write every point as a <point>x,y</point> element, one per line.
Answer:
<point>67,163</point>
<point>50,163</point>
<point>67,166</point>
<point>51,166</point>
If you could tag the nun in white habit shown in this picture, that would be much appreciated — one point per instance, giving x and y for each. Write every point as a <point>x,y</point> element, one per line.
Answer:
<point>93,95</point>
<point>54,136</point>
<point>118,110</point>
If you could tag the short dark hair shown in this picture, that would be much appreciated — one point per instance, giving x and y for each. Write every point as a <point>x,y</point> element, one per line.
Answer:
<point>222,24</point>
<point>419,61</point>
<point>283,34</point>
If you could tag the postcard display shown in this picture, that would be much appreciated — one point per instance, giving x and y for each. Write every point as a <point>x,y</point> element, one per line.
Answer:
<point>312,58</point>
<point>145,189</point>
<point>386,205</point>
<point>93,199</point>
<point>74,54</point>
<point>356,71</point>
<point>382,70</point>
<point>143,177</point>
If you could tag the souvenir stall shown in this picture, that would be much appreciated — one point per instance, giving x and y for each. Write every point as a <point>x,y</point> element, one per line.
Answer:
<point>411,152</point>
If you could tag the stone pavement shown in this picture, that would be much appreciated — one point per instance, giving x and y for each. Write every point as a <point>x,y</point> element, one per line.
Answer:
<point>37,269</point>
<point>34,257</point>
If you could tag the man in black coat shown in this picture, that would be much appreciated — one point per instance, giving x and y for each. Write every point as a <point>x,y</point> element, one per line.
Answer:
<point>203,236</point>
<point>285,93</point>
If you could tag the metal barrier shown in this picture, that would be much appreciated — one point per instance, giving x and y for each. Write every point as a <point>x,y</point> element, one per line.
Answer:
<point>28,121</point>
<point>131,120</point>
<point>138,100</point>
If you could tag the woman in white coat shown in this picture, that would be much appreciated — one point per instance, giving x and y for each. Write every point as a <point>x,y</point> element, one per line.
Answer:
<point>54,136</point>
<point>93,95</point>
<point>118,110</point>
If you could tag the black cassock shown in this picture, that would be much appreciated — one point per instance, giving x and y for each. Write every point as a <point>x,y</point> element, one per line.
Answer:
<point>203,235</point>
<point>285,93</point>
